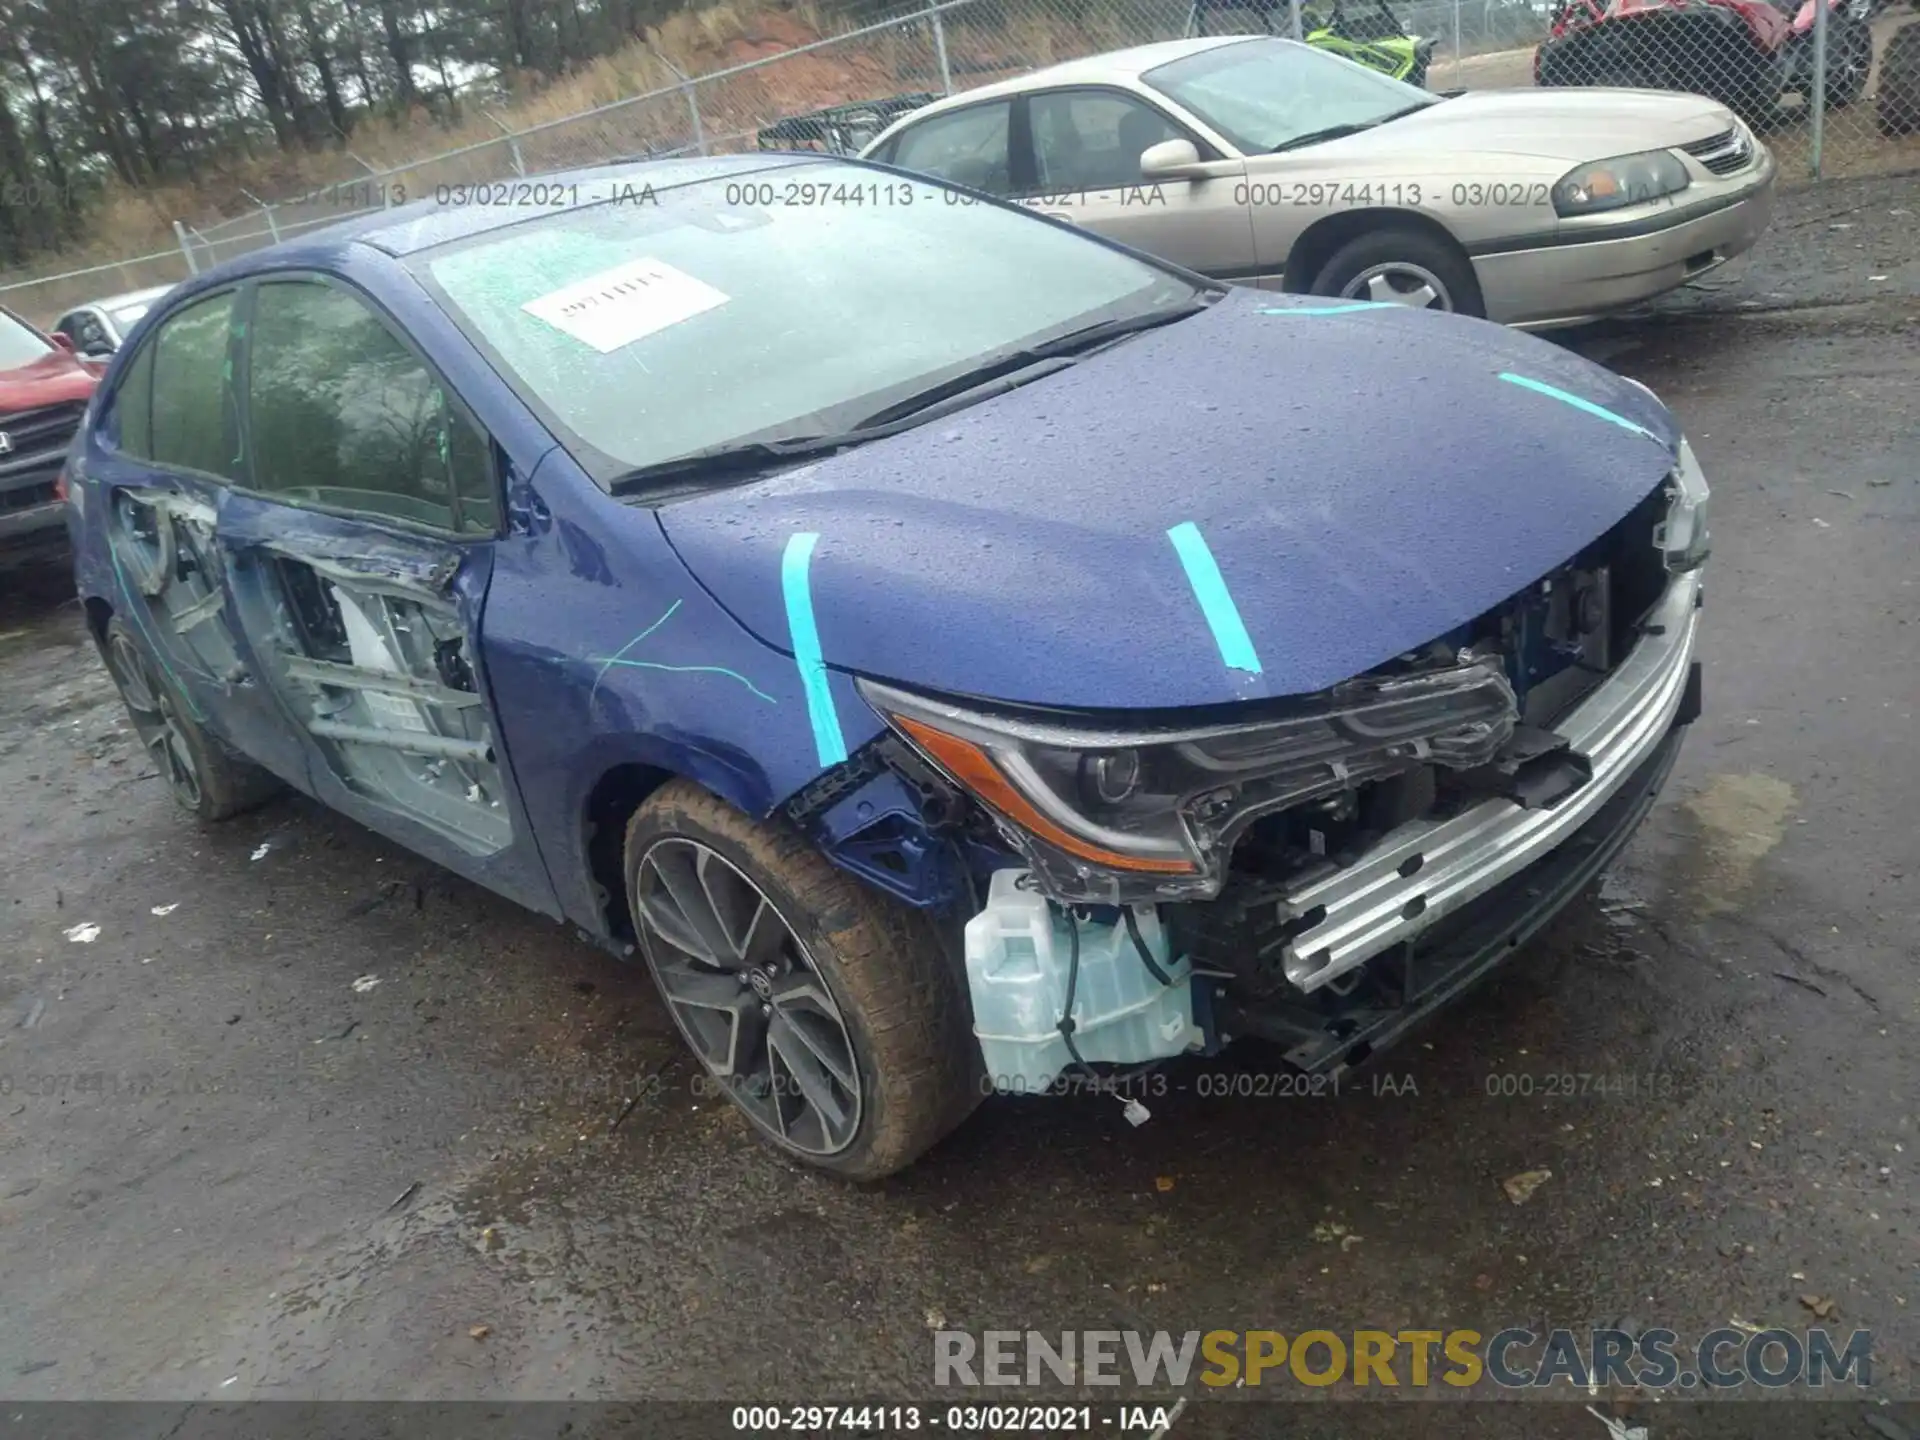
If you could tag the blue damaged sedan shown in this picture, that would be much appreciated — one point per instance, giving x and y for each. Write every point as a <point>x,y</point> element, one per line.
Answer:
<point>956,654</point>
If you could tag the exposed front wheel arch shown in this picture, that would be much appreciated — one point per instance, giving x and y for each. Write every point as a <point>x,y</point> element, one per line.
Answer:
<point>609,809</point>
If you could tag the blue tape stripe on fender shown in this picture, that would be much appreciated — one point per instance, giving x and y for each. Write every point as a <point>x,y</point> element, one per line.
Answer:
<point>1216,601</point>
<point>1540,387</point>
<point>827,739</point>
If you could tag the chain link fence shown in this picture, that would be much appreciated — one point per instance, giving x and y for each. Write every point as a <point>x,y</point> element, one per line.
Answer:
<point>1833,92</point>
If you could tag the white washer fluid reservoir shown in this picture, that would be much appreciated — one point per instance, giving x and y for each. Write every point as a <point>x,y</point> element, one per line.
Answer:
<point>1018,954</point>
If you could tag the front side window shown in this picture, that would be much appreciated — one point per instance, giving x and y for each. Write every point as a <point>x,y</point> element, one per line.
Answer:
<point>195,423</point>
<point>343,415</point>
<point>967,147</point>
<point>1264,95</point>
<point>1093,139</point>
<point>717,314</point>
<point>19,345</point>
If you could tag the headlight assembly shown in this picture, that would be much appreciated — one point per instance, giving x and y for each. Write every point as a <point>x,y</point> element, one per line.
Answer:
<point>1110,816</point>
<point>1617,183</point>
<point>1682,536</point>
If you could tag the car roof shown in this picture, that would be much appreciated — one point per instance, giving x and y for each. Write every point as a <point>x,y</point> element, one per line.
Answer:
<point>1113,67</point>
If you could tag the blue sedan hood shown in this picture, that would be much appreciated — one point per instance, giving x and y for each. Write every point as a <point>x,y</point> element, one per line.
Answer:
<point>1360,480</point>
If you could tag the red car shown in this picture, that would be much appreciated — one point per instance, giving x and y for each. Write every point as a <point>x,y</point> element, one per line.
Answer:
<point>1744,53</point>
<point>44,388</point>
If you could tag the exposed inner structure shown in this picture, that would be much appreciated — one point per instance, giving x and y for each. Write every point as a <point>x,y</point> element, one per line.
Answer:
<point>378,671</point>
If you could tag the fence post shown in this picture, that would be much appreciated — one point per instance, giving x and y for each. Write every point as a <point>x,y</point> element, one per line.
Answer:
<point>513,142</point>
<point>1456,44</point>
<point>186,247</point>
<point>266,210</point>
<point>386,195</point>
<point>940,49</point>
<point>1293,19</point>
<point>687,88</point>
<point>1818,96</point>
<point>693,109</point>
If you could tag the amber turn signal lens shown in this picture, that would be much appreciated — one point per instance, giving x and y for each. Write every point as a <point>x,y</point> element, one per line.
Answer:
<point>974,769</point>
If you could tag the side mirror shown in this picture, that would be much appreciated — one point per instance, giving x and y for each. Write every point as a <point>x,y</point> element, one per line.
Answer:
<point>62,341</point>
<point>1170,160</point>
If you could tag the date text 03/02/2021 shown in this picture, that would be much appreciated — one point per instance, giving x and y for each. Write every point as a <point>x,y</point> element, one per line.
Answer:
<point>956,1419</point>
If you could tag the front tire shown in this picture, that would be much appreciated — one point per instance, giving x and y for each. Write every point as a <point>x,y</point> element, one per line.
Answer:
<point>825,1011</point>
<point>1402,266</point>
<point>205,778</point>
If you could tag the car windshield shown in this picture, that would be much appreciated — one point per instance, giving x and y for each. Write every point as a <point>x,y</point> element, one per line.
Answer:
<point>19,345</point>
<point>1264,95</point>
<point>782,303</point>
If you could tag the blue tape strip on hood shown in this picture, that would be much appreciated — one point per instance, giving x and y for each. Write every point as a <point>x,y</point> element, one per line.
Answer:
<point>1540,387</point>
<point>1216,601</point>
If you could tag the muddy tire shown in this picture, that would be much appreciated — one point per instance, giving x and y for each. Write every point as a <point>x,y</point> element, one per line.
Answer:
<point>1398,264</point>
<point>205,778</point>
<point>828,1013</point>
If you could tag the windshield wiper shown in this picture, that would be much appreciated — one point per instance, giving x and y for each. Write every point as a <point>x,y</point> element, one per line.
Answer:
<point>718,461</point>
<point>1336,132</point>
<point>995,376</point>
<point>1006,371</point>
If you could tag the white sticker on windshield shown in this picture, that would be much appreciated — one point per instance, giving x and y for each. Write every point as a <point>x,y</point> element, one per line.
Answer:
<point>621,305</point>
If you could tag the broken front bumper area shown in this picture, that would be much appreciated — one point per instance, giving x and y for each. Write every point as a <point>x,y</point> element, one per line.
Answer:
<point>1399,988</point>
<point>1358,955</point>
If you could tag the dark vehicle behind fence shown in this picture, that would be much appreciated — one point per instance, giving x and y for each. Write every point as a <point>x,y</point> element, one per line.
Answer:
<point>1746,54</point>
<point>841,129</point>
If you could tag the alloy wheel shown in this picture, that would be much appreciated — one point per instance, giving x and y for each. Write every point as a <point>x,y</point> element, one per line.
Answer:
<point>1400,282</point>
<point>746,994</point>
<point>155,720</point>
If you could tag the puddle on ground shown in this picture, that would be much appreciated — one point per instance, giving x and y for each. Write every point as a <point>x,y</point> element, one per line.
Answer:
<point>1740,819</point>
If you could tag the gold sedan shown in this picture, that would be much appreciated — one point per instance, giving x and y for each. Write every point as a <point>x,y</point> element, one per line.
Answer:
<point>1270,163</point>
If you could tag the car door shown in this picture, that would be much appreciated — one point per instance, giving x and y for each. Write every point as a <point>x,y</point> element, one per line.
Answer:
<point>358,555</point>
<point>168,455</point>
<point>1085,167</point>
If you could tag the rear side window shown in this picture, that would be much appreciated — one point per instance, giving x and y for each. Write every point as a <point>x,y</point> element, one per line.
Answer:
<point>344,415</point>
<point>967,147</point>
<point>194,424</point>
